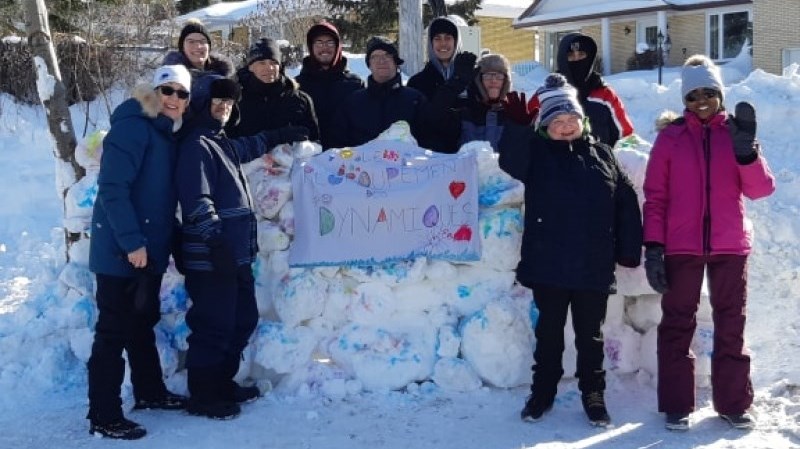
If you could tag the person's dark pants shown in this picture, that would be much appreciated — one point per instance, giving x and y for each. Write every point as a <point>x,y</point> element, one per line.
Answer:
<point>222,318</point>
<point>730,362</point>
<point>128,309</point>
<point>588,313</point>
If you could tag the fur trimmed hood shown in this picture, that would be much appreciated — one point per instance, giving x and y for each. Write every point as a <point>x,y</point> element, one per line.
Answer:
<point>665,119</point>
<point>147,98</point>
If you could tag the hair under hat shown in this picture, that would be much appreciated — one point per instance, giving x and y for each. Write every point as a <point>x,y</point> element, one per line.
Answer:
<point>383,43</point>
<point>173,74</point>
<point>192,26</point>
<point>264,48</point>
<point>700,72</point>
<point>557,97</point>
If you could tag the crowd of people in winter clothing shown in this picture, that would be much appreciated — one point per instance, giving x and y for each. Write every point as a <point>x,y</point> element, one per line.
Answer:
<point>180,142</point>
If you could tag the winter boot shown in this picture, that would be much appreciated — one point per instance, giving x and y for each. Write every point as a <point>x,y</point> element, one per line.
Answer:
<point>742,421</point>
<point>205,386</point>
<point>594,405</point>
<point>677,422</point>
<point>120,429</point>
<point>170,401</point>
<point>536,407</point>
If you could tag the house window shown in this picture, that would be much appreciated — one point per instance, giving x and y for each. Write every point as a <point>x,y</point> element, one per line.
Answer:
<point>651,37</point>
<point>727,33</point>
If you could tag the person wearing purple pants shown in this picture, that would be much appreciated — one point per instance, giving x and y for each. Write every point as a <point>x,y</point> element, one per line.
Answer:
<point>701,167</point>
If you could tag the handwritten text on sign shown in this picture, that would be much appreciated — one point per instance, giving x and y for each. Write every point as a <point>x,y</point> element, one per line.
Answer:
<point>384,201</point>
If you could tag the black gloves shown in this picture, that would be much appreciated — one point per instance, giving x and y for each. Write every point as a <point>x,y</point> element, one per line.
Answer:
<point>656,269</point>
<point>291,133</point>
<point>221,256</point>
<point>516,108</point>
<point>742,126</point>
<point>464,66</point>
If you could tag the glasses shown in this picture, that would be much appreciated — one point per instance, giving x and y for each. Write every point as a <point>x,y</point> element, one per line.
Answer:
<point>488,76</point>
<point>707,94</point>
<point>225,101</point>
<point>328,44</point>
<point>196,42</point>
<point>386,57</point>
<point>169,90</point>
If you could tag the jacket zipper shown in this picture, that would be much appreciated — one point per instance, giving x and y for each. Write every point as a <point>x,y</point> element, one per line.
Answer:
<point>707,211</point>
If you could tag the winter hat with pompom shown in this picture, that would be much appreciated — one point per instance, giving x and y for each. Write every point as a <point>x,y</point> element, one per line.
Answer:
<point>557,97</point>
<point>698,72</point>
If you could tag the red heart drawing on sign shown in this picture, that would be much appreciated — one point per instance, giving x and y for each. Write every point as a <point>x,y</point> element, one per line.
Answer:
<point>457,188</point>
<point>464,233</point>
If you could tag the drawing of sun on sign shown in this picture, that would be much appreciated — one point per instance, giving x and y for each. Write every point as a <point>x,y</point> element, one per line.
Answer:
<point>384,201</point>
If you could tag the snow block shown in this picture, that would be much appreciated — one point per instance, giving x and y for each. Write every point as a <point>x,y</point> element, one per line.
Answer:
<point>452,374</point>
<point>281,348</point>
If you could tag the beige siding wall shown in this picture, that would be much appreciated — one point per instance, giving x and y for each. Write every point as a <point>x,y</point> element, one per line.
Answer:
<point>498,36</point>
<point>775,27</point>
<point>687,32</point>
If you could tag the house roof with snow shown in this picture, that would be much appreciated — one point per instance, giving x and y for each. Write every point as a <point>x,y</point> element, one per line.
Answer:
<point>230,13</point>
<point>548,12</point>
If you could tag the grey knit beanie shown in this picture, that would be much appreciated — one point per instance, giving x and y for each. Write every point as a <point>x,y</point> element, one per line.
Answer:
<point>700,72</point>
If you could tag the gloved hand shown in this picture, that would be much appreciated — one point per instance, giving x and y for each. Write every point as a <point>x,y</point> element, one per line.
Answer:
<point>656,268</point>
<point>221,256</point>
<point>516,108</point>
<point>742,127</point>
<point>464,66</point>
<point>291,133</point>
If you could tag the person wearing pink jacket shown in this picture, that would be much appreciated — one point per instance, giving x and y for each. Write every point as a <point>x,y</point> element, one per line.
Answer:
<point>701,167</point>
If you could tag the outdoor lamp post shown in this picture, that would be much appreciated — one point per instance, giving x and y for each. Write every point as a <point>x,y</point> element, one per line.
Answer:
<point>660,53</point>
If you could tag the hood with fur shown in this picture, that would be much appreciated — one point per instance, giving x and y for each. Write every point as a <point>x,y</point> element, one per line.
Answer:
<point>216,63</point>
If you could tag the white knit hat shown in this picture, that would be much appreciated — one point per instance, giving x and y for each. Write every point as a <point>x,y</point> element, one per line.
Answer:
<point>700,72</point>
<point>173,74</point>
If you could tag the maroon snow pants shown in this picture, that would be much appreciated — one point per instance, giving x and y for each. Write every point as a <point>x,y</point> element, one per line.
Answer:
<point>730,361</point>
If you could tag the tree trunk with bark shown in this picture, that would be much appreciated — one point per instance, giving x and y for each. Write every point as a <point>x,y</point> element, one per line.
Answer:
<point>53,96</point>
<point>411,36</point>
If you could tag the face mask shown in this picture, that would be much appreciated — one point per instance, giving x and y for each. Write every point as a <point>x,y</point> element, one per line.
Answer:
<point>580,70</point>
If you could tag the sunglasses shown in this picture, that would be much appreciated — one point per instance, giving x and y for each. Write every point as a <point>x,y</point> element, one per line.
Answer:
<point>707,94</point>
<point>169,90</point>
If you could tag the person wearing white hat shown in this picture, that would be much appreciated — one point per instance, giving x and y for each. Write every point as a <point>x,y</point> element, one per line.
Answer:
<point>131,235</point>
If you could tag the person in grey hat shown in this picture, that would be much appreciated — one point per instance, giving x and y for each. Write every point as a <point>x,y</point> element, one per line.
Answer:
<point>581,217</point>
<point>367,112</point>
<point>702,166</point>
<point>270,98</point>
<point>132,227</point>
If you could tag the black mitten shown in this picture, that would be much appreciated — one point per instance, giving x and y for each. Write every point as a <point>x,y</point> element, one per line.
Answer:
<point>656,268</point>
<point>742,127</point>
<point>291,133</point>
<point>464,66</point>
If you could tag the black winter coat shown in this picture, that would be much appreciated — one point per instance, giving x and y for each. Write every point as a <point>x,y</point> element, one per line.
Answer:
<point>445,98</point>
<point>215,200</point>
<point>271,106</point>
<point>581,212</point>
<point>368,112</point>
<point>327,89</point>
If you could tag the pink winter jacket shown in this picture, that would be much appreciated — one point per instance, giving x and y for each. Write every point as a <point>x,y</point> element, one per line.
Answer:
<point>693,189</point>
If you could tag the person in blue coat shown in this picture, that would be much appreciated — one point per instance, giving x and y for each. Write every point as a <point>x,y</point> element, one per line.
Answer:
<point>219,246</point>
<point>581,219</point>
<point>132,225</point>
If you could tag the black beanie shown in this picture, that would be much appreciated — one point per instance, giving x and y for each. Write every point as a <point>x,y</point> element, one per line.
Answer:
<point>383,43</point>
<point>264,48</point>
<point>441,25</point>
<point>225,88</point>
<point>192,26</point>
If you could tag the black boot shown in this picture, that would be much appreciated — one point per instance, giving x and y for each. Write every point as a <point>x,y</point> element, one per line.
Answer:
<point>594,404</point>
<point>205,386</point>
<point>230,389</point>
<point>169,401</point>
<point>119,429</point>
<point>536,407</point>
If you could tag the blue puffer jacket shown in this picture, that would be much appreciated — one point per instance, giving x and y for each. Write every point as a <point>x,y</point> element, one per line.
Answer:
<point>136,197</point>
<point>215,199</point>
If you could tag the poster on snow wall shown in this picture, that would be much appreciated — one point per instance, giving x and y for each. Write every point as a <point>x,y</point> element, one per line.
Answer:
<point>384,201</point>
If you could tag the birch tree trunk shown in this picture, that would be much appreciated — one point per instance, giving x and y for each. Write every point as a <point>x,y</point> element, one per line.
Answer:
<point>52,94</point>
<point>411,36</point>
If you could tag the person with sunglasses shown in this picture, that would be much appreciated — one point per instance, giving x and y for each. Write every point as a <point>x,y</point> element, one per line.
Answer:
<point>702,166</point>
<point>492,105</point>
<point>219,246</point>
<point>132,226</point>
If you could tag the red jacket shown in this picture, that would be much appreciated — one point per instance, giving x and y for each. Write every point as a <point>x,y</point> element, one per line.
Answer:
<point>694,189</point>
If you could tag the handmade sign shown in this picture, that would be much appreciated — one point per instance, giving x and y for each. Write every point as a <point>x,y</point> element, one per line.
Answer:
<point>383,201</point>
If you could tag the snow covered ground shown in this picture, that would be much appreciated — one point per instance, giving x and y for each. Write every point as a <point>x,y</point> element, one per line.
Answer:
<point>42,385</point>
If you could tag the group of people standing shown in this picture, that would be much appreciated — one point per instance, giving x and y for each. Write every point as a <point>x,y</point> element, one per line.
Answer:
<point>181,140</point>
